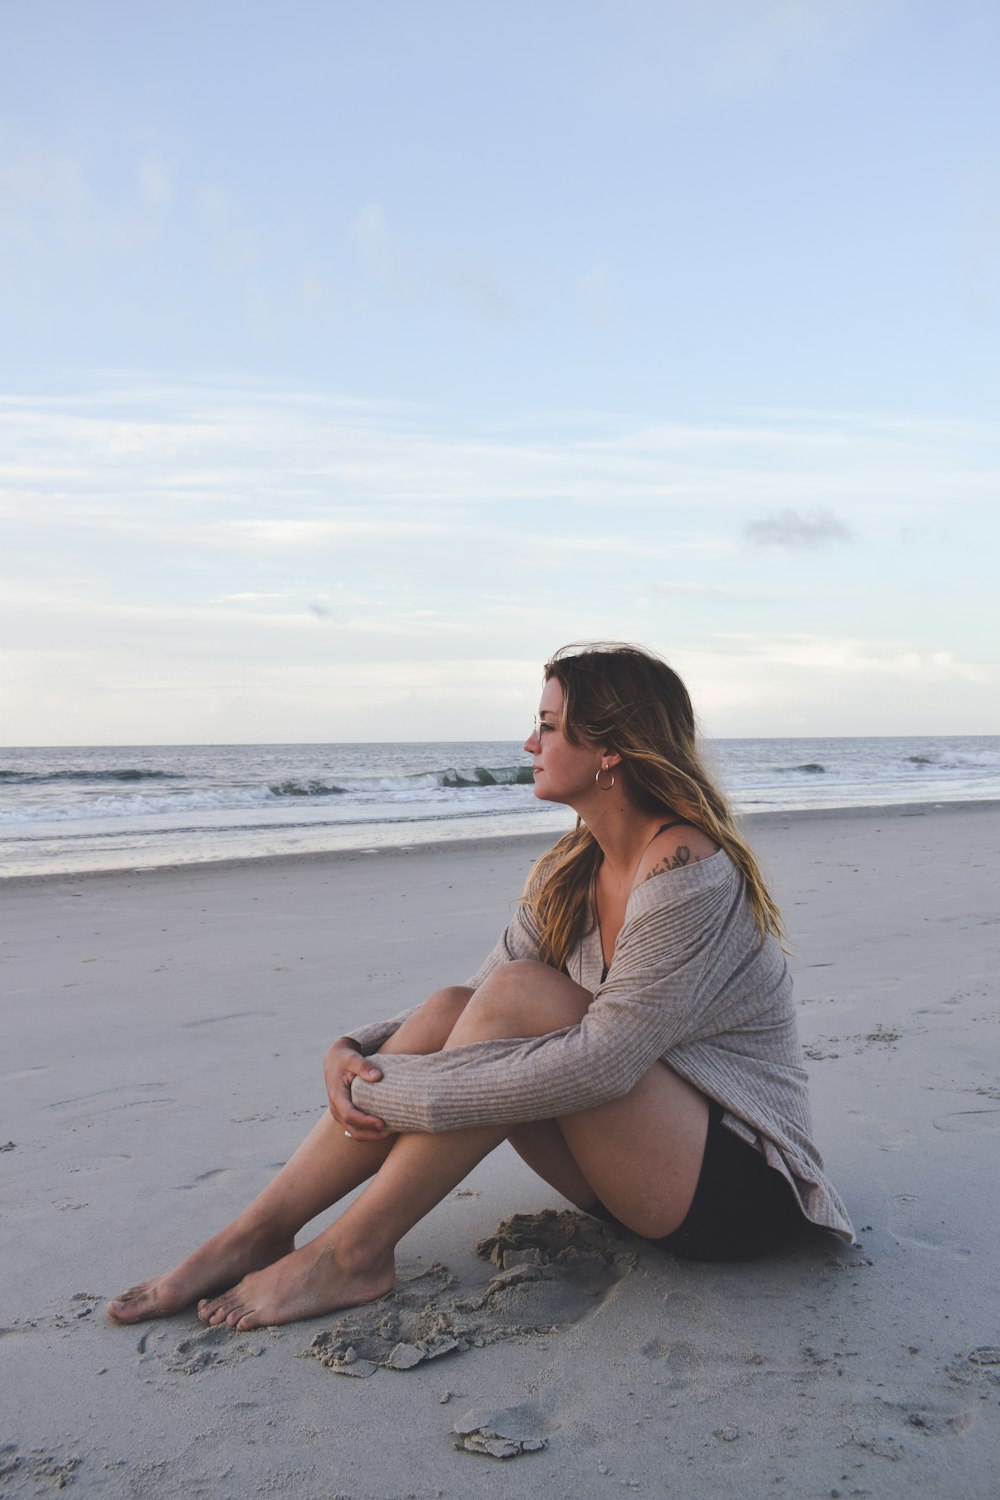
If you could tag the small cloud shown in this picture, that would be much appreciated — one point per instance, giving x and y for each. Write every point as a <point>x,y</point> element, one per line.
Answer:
<point>323,612</point>
<point>791,528</point>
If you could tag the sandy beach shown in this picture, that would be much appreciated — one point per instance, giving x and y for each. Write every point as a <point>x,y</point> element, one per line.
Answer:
<point>163,1035</point>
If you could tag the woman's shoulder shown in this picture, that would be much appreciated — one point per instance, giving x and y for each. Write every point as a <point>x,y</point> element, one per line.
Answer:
<point>671,895</point>
<point>676,846</point>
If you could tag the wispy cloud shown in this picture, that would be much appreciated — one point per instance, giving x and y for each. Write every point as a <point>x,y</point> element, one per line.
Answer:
<point>244,525</point>
<point>770,684</point>
<point>909,660</point>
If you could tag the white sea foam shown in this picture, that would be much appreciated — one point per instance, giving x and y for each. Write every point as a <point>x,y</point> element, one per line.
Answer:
<point>93,808</point>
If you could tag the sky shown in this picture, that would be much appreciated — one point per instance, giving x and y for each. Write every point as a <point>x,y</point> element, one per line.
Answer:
<point>355,357</point>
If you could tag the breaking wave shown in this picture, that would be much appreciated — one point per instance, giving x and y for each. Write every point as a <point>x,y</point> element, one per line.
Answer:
<point>451,779</point>
<point>421,786</point>
<point>73,778</point>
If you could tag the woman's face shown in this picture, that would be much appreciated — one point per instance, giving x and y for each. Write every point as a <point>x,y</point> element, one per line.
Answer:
<point>563,772</point>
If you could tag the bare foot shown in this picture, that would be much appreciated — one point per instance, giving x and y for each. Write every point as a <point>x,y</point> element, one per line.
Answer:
<point>230,1253</point>
<point>305,1284</point>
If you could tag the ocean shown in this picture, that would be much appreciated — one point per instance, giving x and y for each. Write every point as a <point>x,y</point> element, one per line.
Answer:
<point>117,807</point>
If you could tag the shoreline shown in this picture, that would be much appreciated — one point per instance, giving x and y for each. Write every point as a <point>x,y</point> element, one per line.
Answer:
<point>763,820</point>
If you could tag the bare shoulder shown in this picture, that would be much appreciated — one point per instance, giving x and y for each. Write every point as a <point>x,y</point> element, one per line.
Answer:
<point>673,849</point>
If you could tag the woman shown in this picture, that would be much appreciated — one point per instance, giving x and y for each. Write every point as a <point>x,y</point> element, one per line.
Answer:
<point>632,1034</point>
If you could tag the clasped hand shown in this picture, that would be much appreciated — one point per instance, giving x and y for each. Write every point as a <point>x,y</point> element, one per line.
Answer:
<point>342,1064</point>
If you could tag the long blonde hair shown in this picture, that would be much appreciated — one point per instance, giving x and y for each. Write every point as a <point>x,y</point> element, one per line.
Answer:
<point>629,700</point>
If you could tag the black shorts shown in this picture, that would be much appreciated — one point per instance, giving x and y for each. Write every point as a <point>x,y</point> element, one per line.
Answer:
<point>741,1208</point>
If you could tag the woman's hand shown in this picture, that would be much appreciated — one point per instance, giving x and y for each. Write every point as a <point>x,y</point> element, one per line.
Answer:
<point>342,1064</point>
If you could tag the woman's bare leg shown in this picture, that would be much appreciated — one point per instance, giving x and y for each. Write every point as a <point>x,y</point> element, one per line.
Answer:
<point>542,1147</point>
<point>353,1261</point>
<point>323,1169</point>
<point>641,1155</point>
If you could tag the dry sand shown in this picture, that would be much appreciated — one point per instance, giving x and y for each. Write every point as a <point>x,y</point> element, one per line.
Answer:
<point>162,1036</point>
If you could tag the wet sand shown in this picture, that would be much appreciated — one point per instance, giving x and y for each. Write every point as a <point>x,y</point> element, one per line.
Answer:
<point>162,1041</point>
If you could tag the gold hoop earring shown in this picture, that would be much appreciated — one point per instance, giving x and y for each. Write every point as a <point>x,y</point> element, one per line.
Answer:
<point>605,771</point>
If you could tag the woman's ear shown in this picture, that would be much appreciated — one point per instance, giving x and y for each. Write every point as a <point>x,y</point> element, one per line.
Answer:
<point>610,758</point>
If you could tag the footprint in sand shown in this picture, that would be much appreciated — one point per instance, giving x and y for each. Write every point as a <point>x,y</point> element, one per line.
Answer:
<point>213,1346</point>
<point>35,1472</point>
<point>21,1073</point>
<point>206,1349</point>
<point>974,1121</point>
<point>80,1307</point>
<point>127,1093</point>
<point>186,1187</point>
<point>105,1164</point>
<point>910,1221</point>
<point>681,1360</point>
<point>553,1270</point>
<point>233,1015</point>
<point>887,1428</point>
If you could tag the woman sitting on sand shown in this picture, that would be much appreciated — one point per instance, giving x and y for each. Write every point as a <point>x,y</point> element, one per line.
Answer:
<point>632,1035</point>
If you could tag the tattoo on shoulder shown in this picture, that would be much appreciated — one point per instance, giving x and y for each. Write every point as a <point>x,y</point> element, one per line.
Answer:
<point>681,856</point>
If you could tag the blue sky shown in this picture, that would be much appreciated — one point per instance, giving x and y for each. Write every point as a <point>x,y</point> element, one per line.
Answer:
<point>354,357</point>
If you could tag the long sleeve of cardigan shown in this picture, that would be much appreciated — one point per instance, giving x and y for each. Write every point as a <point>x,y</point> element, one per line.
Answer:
<point>655,997</point>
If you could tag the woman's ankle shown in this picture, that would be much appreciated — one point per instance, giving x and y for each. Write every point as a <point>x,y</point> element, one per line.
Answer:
<point>362,1259</point>
<point>260,1229</point>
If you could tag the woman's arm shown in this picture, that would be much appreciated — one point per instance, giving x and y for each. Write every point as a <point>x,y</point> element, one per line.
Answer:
<point>655,998</point>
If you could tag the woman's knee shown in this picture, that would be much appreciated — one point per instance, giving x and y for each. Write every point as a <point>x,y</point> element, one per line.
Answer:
<point>430,1025</point>
<point>444,1007</point>
<point>522,998</point>
<point>518,971</point>
<point>524,976</point>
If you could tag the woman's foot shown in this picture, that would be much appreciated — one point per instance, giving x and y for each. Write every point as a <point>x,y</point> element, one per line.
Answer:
<point>232,1253</point>
<point>305,1284</point>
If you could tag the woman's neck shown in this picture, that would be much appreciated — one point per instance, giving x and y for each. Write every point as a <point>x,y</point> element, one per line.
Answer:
<point>623,833</point>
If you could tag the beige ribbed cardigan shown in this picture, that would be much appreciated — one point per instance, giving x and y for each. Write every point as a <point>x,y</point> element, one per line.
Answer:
<point>690,983</point>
